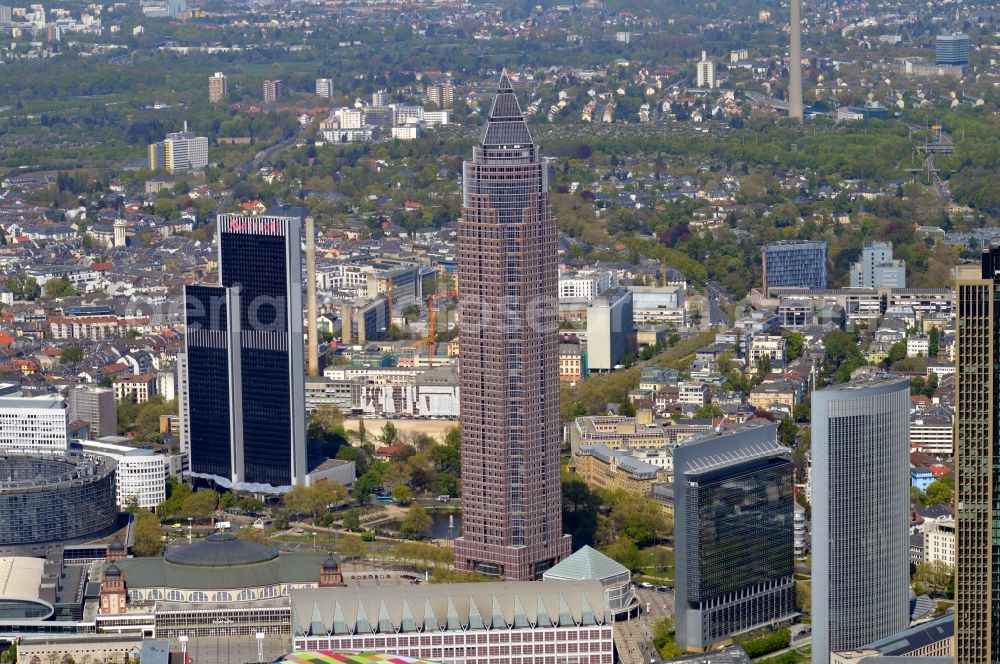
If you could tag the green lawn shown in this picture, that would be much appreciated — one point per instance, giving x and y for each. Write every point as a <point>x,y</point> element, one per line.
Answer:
<point>658,565</point>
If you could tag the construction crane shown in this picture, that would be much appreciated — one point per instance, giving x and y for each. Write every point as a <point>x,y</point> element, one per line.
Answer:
<point>431,340</point>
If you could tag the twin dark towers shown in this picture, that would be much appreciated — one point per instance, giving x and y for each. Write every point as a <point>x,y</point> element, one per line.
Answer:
<point>243,397</point>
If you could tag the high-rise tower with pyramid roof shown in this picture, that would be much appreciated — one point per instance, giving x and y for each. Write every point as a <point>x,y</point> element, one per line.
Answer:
<point>508,369</point>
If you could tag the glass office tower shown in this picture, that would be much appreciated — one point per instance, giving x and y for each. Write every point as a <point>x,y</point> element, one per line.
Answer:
<point>246,384</point>
<point>734,534</point>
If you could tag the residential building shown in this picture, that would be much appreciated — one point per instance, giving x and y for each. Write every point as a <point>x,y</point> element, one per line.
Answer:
<point>801,533</point>
<point>96,406</point>
<point>692,393</point>
<point>272,91</point>
<point>324,87</point>
<point>977,445</point>
<point>509,374</point>
<point>777,394</point>
<point>586,285</point>
<point>616,470</point>
<point>877,268</point>
<point>38,424</point>
<point>797,263</point>
<point>244,344</point>
<point>706,72</point>
<point>939,541</point>
<point>218,87</point>
<point>952,50</point>
<point>770,346</point>
<point>860,458</point>
<point>96,328</point>
<point>609,329</point>
<point>380,98</point>
<point>140,474</point>
<point>572,362</point>
<point>179,152</point>
<point>932,432</point>
<point>137,389</point>
<point>918,345</point>
<point>734,535</point>
<point>441,95</point>
<point>459,621</point>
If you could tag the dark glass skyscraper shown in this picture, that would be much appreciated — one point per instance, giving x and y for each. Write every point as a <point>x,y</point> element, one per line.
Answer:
<point>508,363</point>
<point>734,534</point>
<point>246,395</point>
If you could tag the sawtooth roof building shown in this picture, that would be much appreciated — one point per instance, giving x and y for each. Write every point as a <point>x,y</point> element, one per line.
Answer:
<point>505,623</point>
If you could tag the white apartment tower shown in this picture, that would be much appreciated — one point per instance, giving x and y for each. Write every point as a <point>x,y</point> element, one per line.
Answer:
<point>706,72</point>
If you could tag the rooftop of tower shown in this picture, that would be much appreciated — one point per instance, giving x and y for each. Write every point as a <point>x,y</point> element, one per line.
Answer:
<point>505,127</point>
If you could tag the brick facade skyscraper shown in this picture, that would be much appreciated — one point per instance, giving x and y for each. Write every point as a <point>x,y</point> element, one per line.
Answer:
<point>509,375</point>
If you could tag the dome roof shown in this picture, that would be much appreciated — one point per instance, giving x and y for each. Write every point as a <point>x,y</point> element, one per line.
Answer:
<point>221,550</point>
<point>117,545</point>
<point>333,562</point>
<point>112,570</point>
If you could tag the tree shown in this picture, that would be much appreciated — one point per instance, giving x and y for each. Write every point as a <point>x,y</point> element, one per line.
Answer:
<point>932,578</point>
<point>148,538</point>
<point>416,524</point>
<point>352,520</point>
<point>201,504</point>
<point>402,495</point>
<point>314,500</point>
<point>59,287</point>
<point>933,343</point>
<point>788,432</point>
<point>897,352</point>
<point>794,344</point>
<point>227,500</point>
<point>390,435</point>
<point>625,552</point>
<point>663,638</point>
<point>708,411</point>
<point>351,546</point>
<point>71,354</point>
<point>940,491</point>
<point>24,287</point>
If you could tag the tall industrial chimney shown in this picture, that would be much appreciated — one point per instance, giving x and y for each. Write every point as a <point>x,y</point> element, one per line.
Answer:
<point>345,324</point>
<point>795,63</point>
<point>311,296</point>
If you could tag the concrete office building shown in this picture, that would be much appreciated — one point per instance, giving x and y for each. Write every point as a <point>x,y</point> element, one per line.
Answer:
<point>706,72</point>
<point>272,91</point>
<point>509,355</point>
<point>860,513</point>
<point>609,329</point>
<point>734,539</point>
<point>179,152</point>
<point>38,424</point>
<point>796,263</point>
<point>324,87</point>
<point>218,87</point>
<point>952,50</point>
<point>140,474</point>
<point>977,446</point>
<point>245,388</point>
<point>658,304</point>
<point>96,406</point>
<point>877,268</point>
